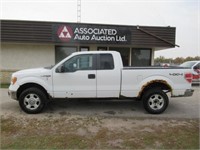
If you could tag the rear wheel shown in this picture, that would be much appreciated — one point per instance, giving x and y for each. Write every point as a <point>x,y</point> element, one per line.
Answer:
<point>155,101</point>
<point>32,100</point>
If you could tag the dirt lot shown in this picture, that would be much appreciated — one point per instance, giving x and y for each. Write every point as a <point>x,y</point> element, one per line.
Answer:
<point>101,125</point>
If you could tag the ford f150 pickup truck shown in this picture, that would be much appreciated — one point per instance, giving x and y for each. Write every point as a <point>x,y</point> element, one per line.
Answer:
<point>99,74</point>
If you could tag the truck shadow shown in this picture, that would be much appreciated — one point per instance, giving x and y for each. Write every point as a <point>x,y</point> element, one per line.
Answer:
<point>95,107</point>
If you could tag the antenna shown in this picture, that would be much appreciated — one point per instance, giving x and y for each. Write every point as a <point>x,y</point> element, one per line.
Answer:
<point>78,11</point>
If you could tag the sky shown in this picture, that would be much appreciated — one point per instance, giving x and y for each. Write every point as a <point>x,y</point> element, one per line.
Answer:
<point>182,14</point>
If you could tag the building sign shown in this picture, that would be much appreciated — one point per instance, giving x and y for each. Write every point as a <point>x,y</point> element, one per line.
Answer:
<point>81,33</point>
<point>64,33</point>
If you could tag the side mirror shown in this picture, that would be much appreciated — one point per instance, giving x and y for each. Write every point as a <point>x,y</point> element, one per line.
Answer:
<point>60,69</point>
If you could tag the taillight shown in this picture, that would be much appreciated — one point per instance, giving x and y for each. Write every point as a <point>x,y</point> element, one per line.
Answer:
<point>188,77</point>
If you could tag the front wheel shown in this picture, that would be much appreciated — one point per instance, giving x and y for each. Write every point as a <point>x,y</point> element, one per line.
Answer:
<point>32,100</point>
<point>155,101</point>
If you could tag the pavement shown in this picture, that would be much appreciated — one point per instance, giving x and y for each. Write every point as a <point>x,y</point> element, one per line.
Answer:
<point>183,107</point>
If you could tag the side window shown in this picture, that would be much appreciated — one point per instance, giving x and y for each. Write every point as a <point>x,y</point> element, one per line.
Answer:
<point>106,62</point>
<point>80,62</point>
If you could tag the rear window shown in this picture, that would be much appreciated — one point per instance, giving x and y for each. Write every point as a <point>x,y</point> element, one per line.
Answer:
<point>106,62</point>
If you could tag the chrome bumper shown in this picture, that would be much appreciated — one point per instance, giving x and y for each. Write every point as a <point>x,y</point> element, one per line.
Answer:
<point>12,94</point>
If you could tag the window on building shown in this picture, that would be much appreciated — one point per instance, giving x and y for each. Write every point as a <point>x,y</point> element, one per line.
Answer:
<point>100,48</point>
<point>141,57</point>
<point>62,52</point>
<point>84,48</point>
<point>125,54</point>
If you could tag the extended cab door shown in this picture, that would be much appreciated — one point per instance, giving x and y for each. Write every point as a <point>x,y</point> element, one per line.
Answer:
<point>76,77</point>
<point>108,76</point>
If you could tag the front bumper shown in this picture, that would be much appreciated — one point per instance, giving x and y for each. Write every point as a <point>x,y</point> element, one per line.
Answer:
<point>12,94</point>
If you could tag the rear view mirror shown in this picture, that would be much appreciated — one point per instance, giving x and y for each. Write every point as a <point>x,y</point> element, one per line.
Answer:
<point>60,69</point>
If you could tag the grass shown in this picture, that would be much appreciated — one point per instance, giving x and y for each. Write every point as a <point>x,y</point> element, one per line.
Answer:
<point>4,85</point>
<point>75,133</point>
<point>70,141</point>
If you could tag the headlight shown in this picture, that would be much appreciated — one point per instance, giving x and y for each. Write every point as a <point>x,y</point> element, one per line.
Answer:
<point>13,80</point>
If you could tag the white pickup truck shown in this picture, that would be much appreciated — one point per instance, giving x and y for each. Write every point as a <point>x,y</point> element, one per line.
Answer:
<point>99,74</point>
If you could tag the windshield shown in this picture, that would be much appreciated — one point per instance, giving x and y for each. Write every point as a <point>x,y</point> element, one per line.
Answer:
<point>188,64</point>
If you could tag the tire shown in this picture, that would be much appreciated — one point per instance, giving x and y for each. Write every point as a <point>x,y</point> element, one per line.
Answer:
<point>32,100</point>
<point>155,101</point>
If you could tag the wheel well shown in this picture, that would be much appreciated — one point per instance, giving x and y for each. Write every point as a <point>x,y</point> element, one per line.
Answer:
<point>29,85</point>
<point>163,85</point>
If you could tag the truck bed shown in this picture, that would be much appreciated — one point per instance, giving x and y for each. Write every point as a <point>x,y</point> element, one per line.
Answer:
<point>136,78</point>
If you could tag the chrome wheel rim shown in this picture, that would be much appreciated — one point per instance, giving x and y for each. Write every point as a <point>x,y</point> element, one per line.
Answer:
<point>156,102</point>
<point>32,101</point>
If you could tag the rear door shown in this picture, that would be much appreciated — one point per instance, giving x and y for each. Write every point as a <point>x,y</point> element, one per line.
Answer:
<point>108,76</point>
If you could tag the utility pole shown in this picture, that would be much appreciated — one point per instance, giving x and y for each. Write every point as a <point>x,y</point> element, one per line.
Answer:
<point>78,11</point>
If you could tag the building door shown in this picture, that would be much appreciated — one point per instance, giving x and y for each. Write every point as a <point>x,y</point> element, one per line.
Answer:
<point>62,52</point>
<point>125,54</point>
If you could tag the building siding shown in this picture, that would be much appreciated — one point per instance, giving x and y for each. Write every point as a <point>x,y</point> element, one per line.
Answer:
<point>22,56</point>
<point>42,32</point>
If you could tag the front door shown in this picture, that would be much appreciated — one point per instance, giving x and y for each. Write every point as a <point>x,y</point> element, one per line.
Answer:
<point>78,79</point>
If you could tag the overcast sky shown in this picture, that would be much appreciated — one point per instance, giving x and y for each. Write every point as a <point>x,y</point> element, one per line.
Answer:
<point>182,14</point>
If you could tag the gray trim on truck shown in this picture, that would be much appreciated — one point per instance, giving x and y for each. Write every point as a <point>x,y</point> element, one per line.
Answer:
<point>12,94</point>
<point>188,92</point>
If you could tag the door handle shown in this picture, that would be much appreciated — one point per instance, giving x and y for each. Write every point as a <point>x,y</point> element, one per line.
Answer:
<point>91,76</point>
